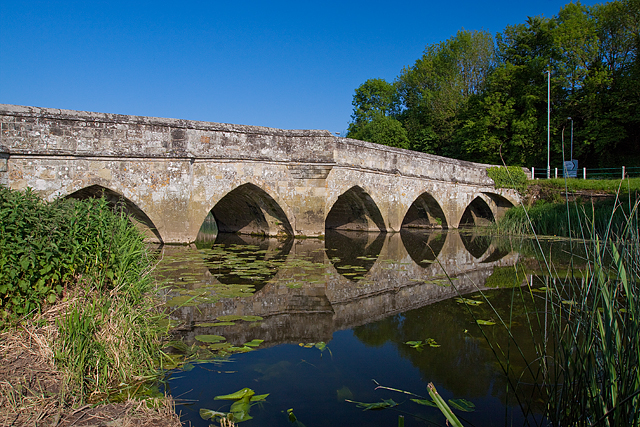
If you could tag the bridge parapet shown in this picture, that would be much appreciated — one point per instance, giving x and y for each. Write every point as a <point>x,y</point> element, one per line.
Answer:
<point>391,160</point>
<point>50,131</point>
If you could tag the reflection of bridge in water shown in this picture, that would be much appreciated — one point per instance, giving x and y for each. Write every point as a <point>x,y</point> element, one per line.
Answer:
<point>396,273</point>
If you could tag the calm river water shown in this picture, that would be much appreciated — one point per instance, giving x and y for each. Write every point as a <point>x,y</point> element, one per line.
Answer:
<point>319,324</point>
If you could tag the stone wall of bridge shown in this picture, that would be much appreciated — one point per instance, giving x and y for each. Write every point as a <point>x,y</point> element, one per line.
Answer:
<point>172,173</point>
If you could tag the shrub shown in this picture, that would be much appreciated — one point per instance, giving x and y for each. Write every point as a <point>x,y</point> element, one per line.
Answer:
<point>508,177</point>
<point>46,247</point>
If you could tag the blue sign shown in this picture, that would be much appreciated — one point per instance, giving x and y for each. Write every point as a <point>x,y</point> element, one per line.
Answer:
<point>571,168</point>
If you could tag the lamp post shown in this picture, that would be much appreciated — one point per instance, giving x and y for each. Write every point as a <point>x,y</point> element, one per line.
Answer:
<point>548,123</point>
<point>571,139</point>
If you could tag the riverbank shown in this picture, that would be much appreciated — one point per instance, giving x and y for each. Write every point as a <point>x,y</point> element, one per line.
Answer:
<point>80,340</point>
<point>572,208</point>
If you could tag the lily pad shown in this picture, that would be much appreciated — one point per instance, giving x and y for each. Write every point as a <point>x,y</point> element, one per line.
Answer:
<point>210,338</point>
<point>485,322</point>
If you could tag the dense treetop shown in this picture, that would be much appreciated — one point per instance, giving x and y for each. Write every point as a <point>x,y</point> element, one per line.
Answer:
<point>484,98</point>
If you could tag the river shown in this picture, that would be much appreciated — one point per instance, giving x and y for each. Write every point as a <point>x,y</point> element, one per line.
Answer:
<point>320,325</point>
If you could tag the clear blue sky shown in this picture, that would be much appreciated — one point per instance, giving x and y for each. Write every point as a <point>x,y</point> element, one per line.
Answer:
<point>290,65</point>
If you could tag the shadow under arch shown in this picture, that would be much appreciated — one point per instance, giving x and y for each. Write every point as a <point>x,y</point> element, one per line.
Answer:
<point>117,200</point>
<point>478,214</point>
<point>355,210</point>
<point>423,246</point>
<point>499,204</point>
<point>248,209</point>
<point>425,212</point>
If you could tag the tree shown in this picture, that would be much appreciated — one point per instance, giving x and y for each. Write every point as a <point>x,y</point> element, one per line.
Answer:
<point>436,88</point>
<point>374,98</point>
<point>383,130</point>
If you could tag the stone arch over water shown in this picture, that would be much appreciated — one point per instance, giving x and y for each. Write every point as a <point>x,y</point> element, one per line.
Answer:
<point>425,212</point>
<point>477,213</point>
<point>355,210</point>
<point>248,209</point>
<point>117,200</point>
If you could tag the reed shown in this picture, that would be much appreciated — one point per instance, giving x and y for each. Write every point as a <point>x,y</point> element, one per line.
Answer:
<point>585,324</point>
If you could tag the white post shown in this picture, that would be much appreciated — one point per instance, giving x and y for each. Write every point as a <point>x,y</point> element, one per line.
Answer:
<point>556,173</point>
<point>584,173</point>
<point>533,172</point>
<point>623,172</point>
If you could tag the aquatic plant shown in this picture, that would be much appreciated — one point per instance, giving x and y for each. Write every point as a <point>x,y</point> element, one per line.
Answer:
<point>587,328</point>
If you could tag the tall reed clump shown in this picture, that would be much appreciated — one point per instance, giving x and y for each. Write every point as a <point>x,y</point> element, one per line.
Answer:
<point>594,330</point>
<point>88,257</point>
<point>586,328</point>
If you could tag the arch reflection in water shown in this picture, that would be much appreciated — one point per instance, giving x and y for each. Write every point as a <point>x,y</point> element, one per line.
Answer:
<point>353,253</point>
<point>423,246</point>
<point>245,260</point>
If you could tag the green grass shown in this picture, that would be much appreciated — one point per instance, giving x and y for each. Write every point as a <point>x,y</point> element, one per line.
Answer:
<point>566,219</point>
<point>91,260</point>
<point>611,186</point>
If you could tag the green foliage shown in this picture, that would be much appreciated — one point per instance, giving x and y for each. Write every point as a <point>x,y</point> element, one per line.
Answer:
<point>47,247</point>
<point>474,98</point>
<point>554,219</point>
<point>508,177</point>
<point>383,130</point>
<point>108,341</point>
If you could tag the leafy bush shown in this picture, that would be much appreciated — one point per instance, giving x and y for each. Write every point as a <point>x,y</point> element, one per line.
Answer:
<point>46,247</point>
<point>508,177</point>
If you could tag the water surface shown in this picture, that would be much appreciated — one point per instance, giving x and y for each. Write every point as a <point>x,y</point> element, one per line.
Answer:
<point>326,318</point>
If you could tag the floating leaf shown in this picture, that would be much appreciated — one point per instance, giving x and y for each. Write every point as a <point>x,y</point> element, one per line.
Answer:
<point>425,402</point>
<point>209,414</point>
<point>251,318</point>
<point>229,318</point>
<point>485,322</point>
<point>432,343</point>
<point>254,343</point>
<point>210,338</point>
<point>462,405</point>
<point>469,301</point>
<point>386,403</point>
<point>240,394</point>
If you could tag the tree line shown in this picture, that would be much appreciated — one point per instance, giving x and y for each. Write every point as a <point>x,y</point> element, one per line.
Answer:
<point>484,98</point>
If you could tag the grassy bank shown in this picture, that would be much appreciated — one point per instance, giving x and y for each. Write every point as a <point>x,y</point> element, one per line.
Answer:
<point>74,277</point>
<point>566,208</point>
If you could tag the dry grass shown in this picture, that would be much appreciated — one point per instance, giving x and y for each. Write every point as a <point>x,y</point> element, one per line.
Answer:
<point>33,392</point>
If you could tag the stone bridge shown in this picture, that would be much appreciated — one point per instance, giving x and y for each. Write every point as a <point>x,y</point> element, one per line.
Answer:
<point>173,174</point>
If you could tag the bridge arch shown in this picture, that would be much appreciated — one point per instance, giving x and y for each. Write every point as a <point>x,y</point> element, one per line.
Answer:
<point>498,204</point>
<point>425,212</point>
<point>477,213</point>
<point>248,209</point>
<point>118,200</point>
<point>356,210</point>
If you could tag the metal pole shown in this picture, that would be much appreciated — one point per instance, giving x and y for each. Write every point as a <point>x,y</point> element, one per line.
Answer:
<point>571,139</point>
<point>548,124</point>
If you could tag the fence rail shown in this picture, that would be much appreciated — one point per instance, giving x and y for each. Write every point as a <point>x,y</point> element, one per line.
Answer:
<point>588,173</point>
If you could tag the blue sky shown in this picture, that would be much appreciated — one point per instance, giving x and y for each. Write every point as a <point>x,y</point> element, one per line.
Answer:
<point>290,65</point>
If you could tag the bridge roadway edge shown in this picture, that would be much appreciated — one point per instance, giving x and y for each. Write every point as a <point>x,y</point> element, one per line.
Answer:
<point>176,171</point>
